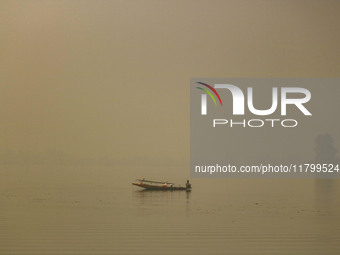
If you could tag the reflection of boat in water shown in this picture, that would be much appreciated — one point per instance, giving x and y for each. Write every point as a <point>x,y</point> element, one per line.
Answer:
<point>157,185</point>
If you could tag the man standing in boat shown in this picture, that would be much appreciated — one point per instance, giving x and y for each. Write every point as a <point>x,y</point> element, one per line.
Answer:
<point>188,185</point>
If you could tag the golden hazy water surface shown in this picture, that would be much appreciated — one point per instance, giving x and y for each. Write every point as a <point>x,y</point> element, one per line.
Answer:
<point>107,215</point>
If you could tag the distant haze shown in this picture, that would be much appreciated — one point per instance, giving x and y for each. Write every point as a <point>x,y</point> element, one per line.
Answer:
<point>108,81</point>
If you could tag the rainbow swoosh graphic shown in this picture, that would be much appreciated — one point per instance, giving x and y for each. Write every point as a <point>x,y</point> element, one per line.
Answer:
<point>209,93</point>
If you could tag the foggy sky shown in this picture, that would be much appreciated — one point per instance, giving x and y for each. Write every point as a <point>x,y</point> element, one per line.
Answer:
<point>109,80</point>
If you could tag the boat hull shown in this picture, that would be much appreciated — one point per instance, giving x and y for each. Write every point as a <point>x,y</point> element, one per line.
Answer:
<point>154,187</point>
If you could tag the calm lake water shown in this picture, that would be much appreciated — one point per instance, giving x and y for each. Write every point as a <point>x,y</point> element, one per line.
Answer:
<point>96,210</point>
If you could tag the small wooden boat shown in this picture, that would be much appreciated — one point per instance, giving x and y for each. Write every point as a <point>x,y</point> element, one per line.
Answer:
<point>157,185</point>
